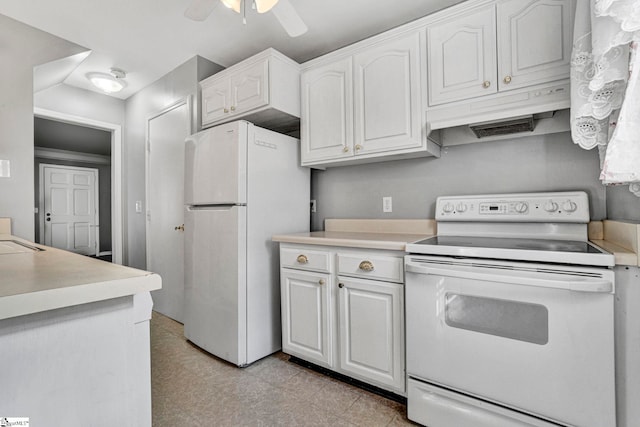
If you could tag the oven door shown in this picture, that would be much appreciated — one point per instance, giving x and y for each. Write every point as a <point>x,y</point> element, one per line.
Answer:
<point>534,337</point>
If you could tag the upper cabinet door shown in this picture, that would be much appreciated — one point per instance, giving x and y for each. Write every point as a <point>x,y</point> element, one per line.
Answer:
<point>215,100</point>
<point>534,41</point>
<point>327,112</point>
<point>387,96</point>
<point>250,88</point>
<point>462,57</point>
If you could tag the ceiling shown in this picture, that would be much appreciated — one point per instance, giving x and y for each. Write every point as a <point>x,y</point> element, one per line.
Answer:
<point>149,38</point>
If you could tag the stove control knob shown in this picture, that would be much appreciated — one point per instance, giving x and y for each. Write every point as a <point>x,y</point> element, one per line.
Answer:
<point>521,207</point>
<point>551,206</point>
<point>447,208</point>
<point>461,207</point>
<point>569,206</point>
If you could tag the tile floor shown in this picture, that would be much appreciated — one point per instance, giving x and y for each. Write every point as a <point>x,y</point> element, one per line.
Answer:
<point>192,388</point>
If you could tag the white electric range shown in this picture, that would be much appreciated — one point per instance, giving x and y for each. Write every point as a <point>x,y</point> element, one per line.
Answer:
<point>509,314</point>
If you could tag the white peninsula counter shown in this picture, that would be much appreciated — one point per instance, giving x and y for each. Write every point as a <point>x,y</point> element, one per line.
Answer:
<point>74,334</point>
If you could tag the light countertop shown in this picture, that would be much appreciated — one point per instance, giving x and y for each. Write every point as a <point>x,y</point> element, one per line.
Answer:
<point>364,233</point>
<point>621,238</point>
<point>34,281</point>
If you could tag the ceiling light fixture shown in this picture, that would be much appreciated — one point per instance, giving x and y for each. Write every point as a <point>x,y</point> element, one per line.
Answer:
<point>262,6</point>
<point>109,83</point>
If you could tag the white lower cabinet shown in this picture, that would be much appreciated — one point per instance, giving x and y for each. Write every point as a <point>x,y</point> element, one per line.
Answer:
<point>306,315</point>
<point>371,331</point>
<point>343,309</point>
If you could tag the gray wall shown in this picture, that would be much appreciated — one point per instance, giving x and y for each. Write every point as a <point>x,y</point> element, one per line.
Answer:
<point>540,163</point>
<point>21,48</point>
<point>176,85</point>
<point>104,196</point>
<point>622,204</point>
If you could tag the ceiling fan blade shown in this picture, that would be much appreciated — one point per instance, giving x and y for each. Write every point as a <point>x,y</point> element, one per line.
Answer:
<point>289,18</point>
<point>199,10</point>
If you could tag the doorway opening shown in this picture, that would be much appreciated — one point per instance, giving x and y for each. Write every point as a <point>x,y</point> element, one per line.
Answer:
<point>76,142</point>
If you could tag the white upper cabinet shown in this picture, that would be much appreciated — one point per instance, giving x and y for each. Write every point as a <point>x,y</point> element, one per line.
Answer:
<point>462,57</point>
<point>327,112</point>
<point>534,42</point>
<point>387,96</point>
<point>250,87</point>
<point>366,106</point>
<point>264,89</point>
<point>499,47</point>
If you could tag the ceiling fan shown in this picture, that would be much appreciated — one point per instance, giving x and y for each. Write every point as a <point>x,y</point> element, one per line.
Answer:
<point>283,10</point>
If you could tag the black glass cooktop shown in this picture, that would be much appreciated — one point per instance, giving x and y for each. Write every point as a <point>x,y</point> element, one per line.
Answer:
<point>512,243</point>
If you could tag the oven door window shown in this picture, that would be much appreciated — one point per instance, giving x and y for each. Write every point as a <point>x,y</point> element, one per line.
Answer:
<point>504,318</point>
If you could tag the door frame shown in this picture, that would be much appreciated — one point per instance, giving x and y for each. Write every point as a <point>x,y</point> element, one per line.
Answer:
<point>96,196</point>
<point>117,201</point>
<point>147,150</point>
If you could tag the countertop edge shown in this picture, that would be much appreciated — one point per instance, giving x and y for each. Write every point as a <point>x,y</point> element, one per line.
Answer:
<point>350,241</point>
<point>51,299</point>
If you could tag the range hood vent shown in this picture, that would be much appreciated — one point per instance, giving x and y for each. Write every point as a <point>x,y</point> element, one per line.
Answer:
<point>503,127</point>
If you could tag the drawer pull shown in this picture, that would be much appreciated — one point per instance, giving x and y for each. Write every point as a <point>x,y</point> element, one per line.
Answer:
<point>321,282</point>
<point>366,266</point>
<point>302,259</point>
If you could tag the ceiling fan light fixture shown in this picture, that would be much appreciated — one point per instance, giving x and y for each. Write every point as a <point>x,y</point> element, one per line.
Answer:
<point>232,4</point>
<point>108,83</point>
<point>263,6</point>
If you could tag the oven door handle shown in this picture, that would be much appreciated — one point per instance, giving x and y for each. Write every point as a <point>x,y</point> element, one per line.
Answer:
<point>584,285</point>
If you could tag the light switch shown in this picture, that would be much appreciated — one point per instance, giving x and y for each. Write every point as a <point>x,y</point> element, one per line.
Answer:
<point>5,169</point>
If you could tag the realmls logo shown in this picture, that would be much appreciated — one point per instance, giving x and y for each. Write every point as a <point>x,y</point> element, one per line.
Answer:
<point>14,421</point>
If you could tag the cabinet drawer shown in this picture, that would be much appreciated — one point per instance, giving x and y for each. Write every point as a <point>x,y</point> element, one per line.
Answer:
<point>378,267</point>
<point>305,259</point>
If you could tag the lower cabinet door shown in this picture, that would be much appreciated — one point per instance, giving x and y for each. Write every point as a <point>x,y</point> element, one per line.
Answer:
<point>371,332</point>
<point>306,315</point>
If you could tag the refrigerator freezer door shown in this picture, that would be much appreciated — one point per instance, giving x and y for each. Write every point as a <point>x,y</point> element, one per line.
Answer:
<point>216,165</point>
<point>215,280</point>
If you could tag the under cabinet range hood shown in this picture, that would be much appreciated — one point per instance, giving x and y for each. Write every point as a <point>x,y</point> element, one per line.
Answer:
<point>507,128</point>
<point>503,127</point>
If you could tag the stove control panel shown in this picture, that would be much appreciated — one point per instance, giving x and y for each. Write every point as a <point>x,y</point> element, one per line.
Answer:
<point>525,207</point>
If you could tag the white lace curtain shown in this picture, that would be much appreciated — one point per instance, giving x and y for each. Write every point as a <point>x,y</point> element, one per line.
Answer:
<point>605,87</point>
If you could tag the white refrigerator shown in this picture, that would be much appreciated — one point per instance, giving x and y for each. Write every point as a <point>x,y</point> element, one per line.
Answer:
<point>242,185</point>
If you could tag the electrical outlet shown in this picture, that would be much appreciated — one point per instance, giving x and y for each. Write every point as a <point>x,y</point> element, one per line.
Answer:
<point>313,206</point>
<point>387,204</point>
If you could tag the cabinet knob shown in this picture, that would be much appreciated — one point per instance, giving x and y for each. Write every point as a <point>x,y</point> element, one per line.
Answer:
<point>321,282</point>
<point>366,266</point>
<point>302,259</point>
<point>507,79</point>
<point>345,150</point>
<point>226,110</point>
<point>358,147</point>
<point>486,84</point>
<point>341,285</point>
<point>180,227</point>
<point>233,108</point>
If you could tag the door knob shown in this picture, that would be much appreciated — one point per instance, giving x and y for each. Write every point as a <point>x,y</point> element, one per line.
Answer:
<point>48,219</point>
<point>48,213</point>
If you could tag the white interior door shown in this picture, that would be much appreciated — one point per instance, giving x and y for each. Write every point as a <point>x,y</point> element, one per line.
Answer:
<point>69,197</point>
<point>166,134</point>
